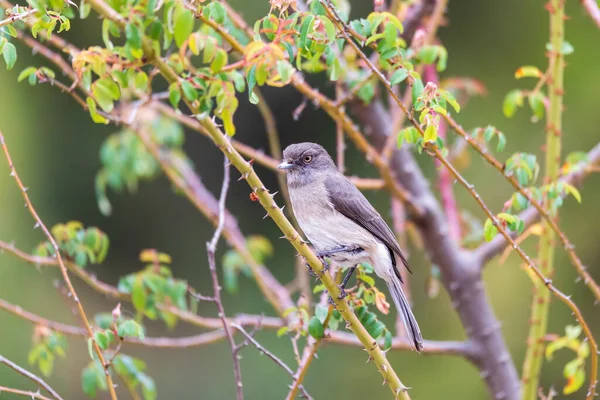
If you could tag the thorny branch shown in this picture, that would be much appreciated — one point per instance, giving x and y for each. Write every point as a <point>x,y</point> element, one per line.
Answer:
<point>34,378</point>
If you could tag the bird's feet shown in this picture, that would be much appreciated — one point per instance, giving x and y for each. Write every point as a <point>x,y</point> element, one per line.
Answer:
<point>341,296</point>
<point>325,266</point>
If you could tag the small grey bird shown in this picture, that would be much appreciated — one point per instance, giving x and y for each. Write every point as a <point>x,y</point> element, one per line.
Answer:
<point>342,225</point>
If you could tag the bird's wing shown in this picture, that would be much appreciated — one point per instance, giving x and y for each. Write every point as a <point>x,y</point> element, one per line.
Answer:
<point>350,202</point>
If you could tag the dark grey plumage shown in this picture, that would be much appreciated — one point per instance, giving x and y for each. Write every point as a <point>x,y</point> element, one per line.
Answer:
<point>335,215</point>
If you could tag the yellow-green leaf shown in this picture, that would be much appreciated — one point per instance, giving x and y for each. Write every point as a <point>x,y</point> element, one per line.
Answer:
<point>528,71</point>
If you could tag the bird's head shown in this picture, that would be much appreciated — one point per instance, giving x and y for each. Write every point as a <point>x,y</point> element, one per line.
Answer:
<point>305,160</point>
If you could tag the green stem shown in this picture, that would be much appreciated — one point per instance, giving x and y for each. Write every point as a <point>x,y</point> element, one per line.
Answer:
<point>541,298</point>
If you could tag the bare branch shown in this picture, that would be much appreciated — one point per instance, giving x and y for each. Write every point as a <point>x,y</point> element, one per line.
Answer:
<point>31,395</point>
<point>211,247</point>
<point>272,356</point>
<point>34,378</point>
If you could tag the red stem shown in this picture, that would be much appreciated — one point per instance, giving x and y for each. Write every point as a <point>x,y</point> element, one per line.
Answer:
<point>445,179</point>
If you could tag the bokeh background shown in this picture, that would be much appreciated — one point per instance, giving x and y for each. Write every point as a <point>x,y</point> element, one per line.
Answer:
<point>55,147</point>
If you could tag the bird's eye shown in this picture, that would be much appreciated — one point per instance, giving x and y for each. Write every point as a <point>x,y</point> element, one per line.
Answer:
<point>307,159</point>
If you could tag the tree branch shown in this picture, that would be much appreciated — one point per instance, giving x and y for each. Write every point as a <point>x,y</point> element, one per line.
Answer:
<point>272,356</point>
<point>34,378</point>
<point>31,395</point>
<point>211,248</point>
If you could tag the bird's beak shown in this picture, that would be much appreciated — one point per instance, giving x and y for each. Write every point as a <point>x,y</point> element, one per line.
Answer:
<point>285,165</point>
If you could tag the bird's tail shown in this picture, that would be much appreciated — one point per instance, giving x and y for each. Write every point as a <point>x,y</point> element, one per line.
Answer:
<point>405,313</point>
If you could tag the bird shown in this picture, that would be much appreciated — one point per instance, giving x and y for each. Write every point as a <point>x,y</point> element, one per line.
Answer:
<point>343,226</point>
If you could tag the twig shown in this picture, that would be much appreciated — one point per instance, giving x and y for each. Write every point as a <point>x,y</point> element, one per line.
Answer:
<point>31,395</point>
<point>445,180</point>
<point>340,147</point>
<point>211,247</point>
<point>272,356</point>
<point>63,268</point>
<point>17,17</point>
<point>308,355</point>
<point>36,379</point>
<point>591,6</point>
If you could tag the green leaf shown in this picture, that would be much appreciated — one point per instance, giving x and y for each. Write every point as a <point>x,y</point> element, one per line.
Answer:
<point>573,331</point>
<point>101,340</point>
<point>536,102</point>
<point>133,35</point>
<point>489,230</point>
<point>315,328</point>
<point>88,382</point>
<point>398,76</point>
<point>130,328</point>
<point>105,92</point>
<point>304,30</point>
<point>282,331</point>
<point>97,118</point>
<point>174,95</point>
<point>329,28</point>
<point>139,295</point>
<point>321,312</point>
<point>219,61</point>
<point>26,72</point>
<point>387,344</point>
<point>528,71</point>
<point>184,24</point>
<point>512,100</point>
<point>430,134</point>
<point>575,382</point>
<point>189,91</point>
<point>9,52</point>
<point>417,89</point>
<point>572,190</point>
<point>446,95</point>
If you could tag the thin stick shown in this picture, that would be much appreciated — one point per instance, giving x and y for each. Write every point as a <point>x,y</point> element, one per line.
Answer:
<point>31,395</point>
<point>17,17</point>
<point>211,247</point>
<point>36,379</point>
<point>340,146</point>
<point>63,268</point>
<point>272,356</point>
<point>445,181</point>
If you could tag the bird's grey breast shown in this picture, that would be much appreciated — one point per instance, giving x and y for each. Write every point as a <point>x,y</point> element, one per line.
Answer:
<point>325,227</point>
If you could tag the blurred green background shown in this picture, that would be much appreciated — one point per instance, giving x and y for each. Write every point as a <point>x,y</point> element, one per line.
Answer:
<point>55,148</point>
